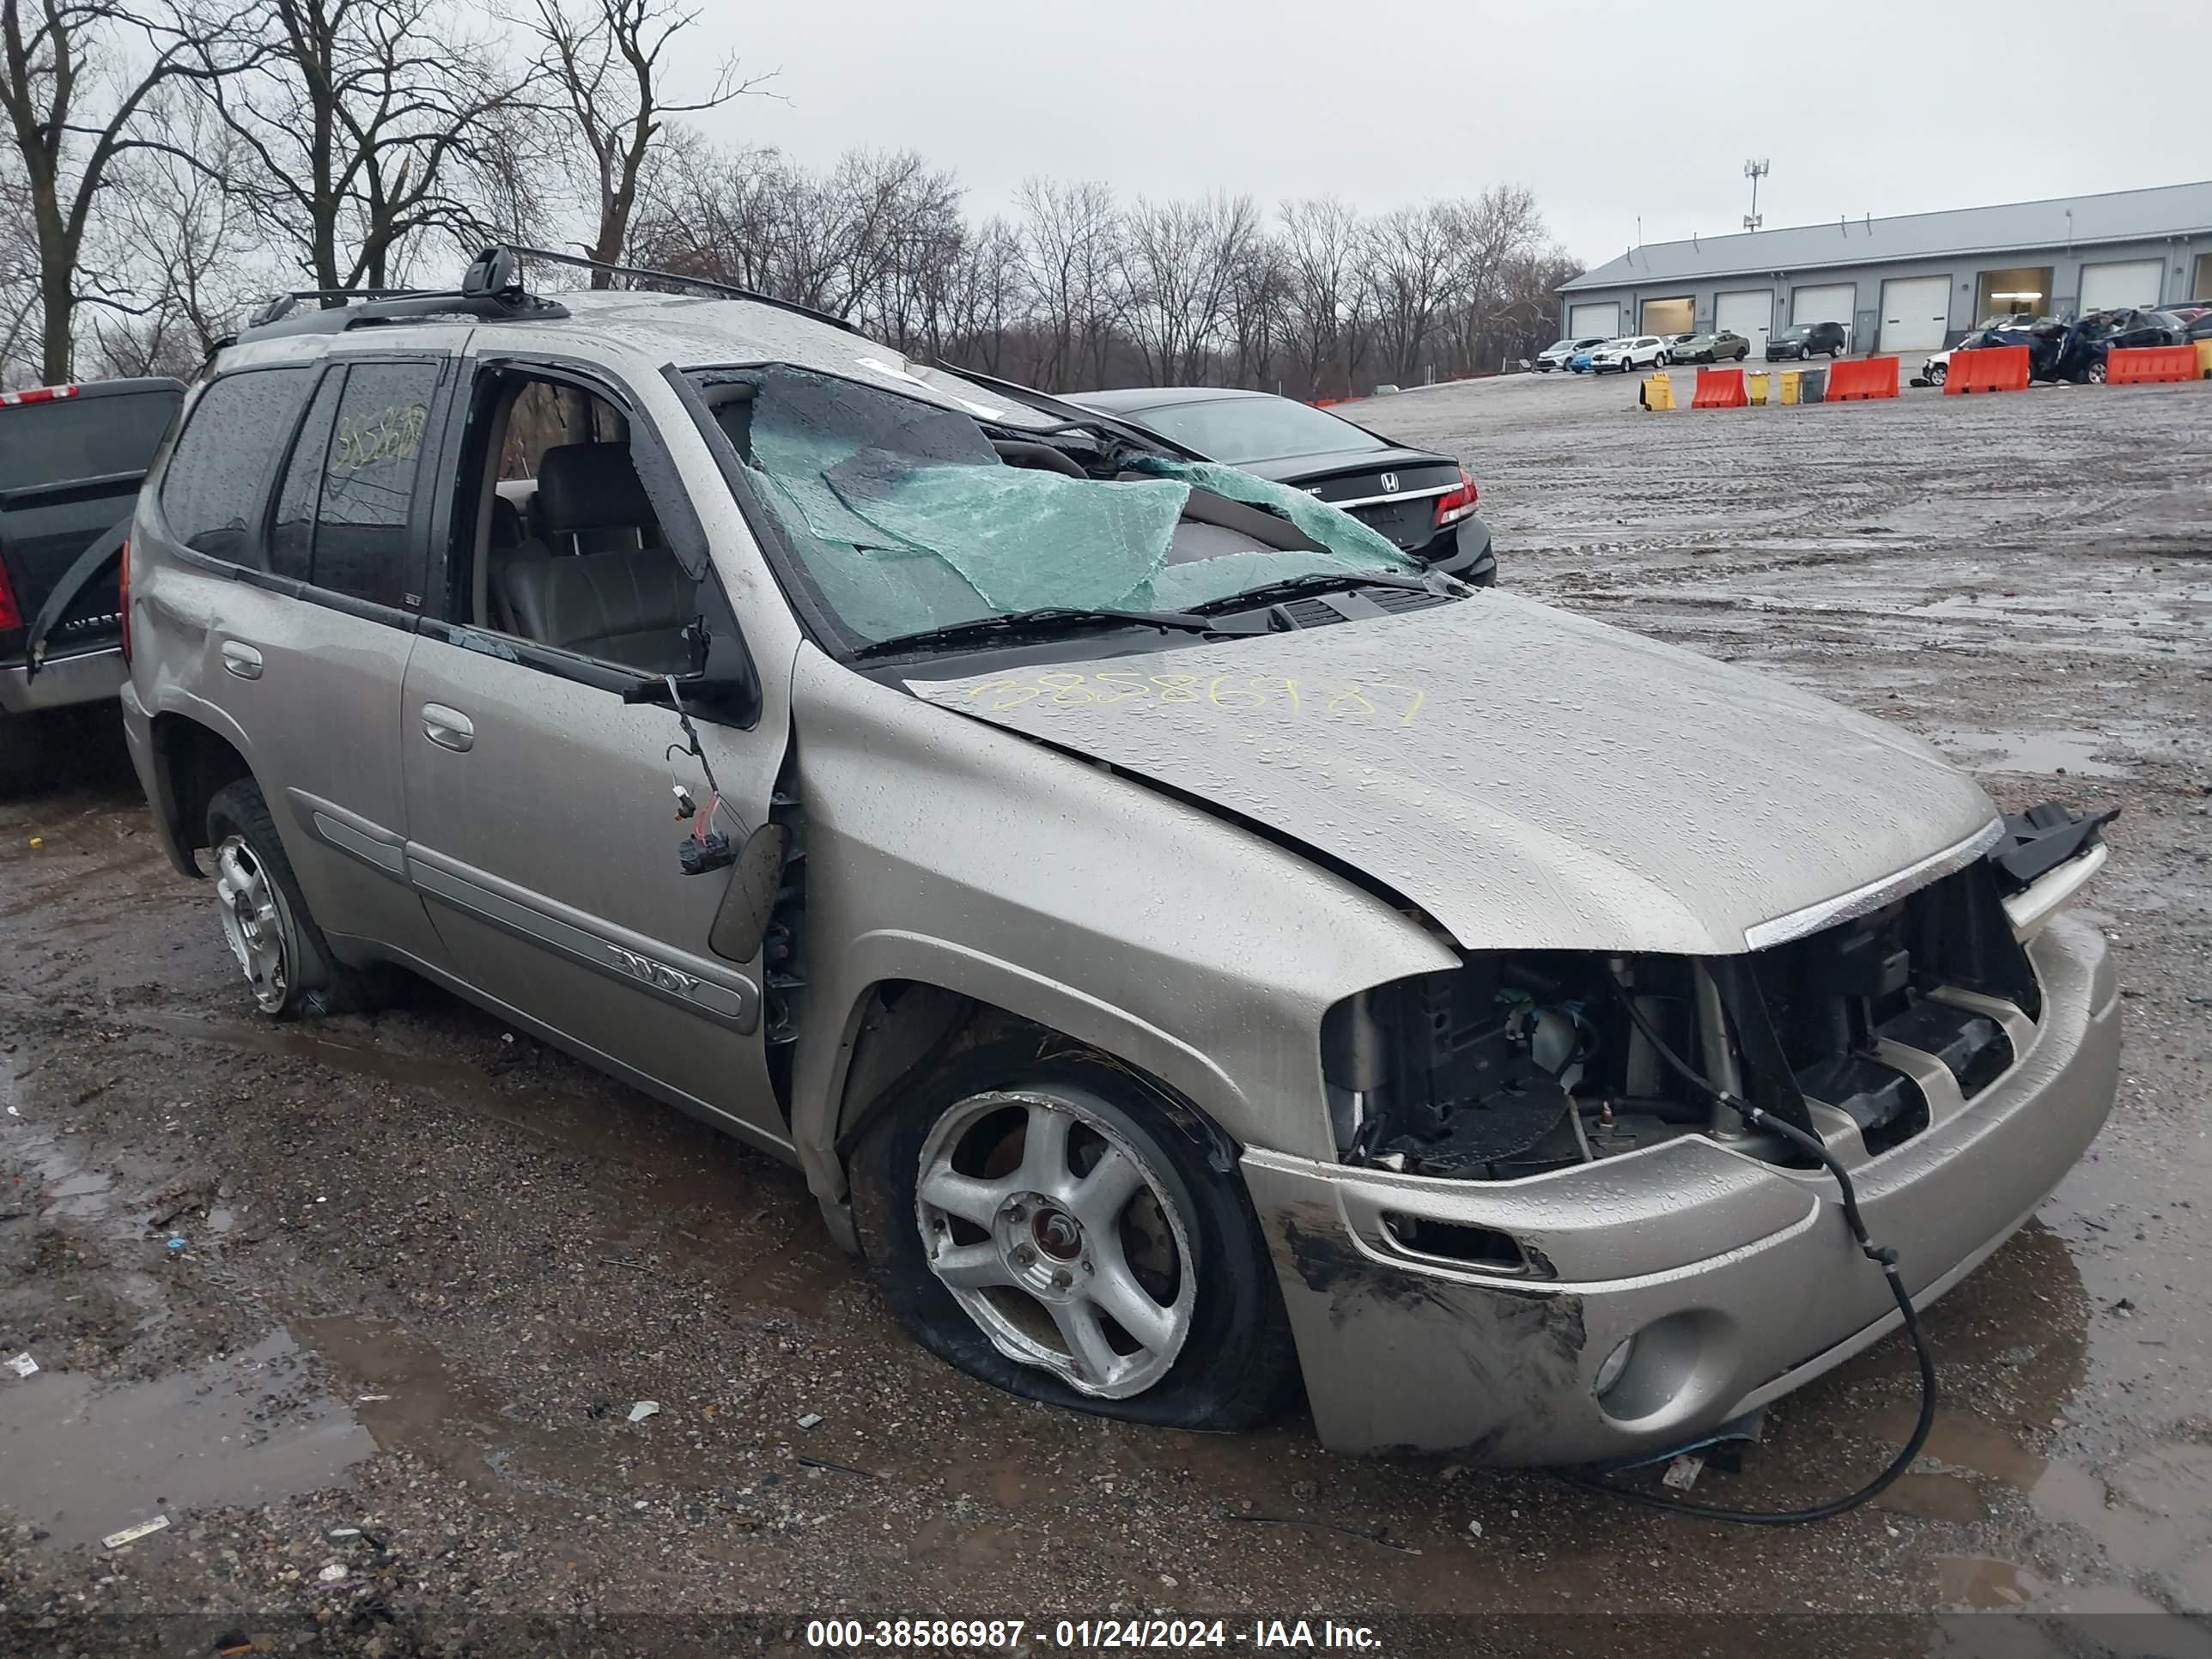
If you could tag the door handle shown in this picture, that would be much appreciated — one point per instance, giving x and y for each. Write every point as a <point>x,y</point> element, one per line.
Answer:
<point>448,728</point>
<point>241,659</point>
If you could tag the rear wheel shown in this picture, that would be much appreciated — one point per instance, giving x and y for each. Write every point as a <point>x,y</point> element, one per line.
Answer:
<point>1939,373</point>
<point>2096,373</point>
<point>288,965</point>
<point>1054,1228</point>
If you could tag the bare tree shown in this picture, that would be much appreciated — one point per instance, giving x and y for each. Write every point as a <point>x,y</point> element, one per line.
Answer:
<point>1500,225</point>
<point>1181,259</point>
<point>1069,234</point>
<point>605,56</point>
<point>368,124</point>
<point>1411,258</point>
<point>1321,247</point>
<point>75,77</point>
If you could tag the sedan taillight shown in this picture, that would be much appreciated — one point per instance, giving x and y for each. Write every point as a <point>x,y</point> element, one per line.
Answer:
<point>1459,503</point>
<point>11,614</point>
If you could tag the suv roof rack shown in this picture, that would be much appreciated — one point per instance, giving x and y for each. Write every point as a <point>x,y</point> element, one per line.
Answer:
<point>728,290</point>
<point>491,288</point>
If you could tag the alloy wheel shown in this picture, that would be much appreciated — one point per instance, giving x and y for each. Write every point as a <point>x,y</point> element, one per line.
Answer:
<point>254,922</point>
<point>1057,1238</point>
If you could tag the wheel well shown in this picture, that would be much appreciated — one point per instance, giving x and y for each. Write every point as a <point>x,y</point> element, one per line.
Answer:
<point>907,1028</point>
<point>196,763</point>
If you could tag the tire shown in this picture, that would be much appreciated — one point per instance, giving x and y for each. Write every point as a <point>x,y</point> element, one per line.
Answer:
<point>288,965</point>
<point>1939,373</point>
<point>2094,374</point>
<point>1215,1353</point>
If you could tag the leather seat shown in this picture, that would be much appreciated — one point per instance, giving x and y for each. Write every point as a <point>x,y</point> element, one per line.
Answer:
<point>628,604</point>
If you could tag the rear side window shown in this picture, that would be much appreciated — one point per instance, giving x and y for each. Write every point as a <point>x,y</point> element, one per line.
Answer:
<point>345,511</point>
<point>213,492</point>
<point>67,439</point>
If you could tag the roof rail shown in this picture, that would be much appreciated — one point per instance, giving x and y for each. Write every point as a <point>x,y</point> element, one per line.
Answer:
<point>491,290</point>
<point>727,289</point>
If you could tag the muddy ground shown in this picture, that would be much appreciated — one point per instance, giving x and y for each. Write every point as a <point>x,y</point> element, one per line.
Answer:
<point>364,1306</point>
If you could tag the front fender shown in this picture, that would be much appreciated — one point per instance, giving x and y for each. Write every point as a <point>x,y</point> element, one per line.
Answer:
<point>943,850</point>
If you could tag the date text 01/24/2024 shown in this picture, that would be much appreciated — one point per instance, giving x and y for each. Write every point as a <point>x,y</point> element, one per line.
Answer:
<point>1081,1635</point>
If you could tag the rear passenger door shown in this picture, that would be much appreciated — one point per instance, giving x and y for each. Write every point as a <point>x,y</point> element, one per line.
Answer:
<point>300,532</point>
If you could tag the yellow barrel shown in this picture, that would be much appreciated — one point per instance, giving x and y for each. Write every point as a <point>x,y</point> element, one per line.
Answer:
<point>1754,386</point>
<point>1788,384</point>
<point>1658,391</point>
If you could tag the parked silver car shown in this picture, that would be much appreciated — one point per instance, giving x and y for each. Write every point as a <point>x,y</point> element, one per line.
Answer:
<point>1187,946</point>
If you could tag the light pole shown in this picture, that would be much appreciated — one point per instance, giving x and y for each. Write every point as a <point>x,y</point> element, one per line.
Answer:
<point>1754,171</point>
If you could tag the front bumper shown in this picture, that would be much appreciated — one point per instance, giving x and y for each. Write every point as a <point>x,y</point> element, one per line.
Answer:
<point>62,683</point>
<point>1740,1279</point>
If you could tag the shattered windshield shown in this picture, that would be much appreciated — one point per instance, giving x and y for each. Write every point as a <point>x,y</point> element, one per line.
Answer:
<point>906,514</point>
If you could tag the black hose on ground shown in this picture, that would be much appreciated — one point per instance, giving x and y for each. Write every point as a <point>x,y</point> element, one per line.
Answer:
<point>1881,1255</point>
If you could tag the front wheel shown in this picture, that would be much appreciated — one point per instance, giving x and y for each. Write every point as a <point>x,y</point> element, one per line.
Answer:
<point>1939,373</point>
<point>2096,374</point>
<point>1055,1228</point>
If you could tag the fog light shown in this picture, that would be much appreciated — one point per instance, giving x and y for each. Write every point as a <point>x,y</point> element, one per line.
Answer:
<point>1616,1363</point>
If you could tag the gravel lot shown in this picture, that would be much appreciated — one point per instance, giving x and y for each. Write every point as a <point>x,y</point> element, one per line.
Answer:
<point>364,1306</point>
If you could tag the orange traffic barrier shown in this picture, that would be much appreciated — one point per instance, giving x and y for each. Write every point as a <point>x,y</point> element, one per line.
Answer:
<point>2134,365</point>
<point>1864,377</point>
<point>1988,368</point>
<point>1720,388</point>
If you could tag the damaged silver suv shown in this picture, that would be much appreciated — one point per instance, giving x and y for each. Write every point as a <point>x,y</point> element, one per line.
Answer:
<point>1189,947</point>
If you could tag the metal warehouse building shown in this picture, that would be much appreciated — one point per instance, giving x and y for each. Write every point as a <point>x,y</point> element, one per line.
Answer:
<point>1914,282</point>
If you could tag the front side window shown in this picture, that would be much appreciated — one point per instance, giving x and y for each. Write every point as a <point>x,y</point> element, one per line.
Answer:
<point>218,475</point>
<point>907,515</point>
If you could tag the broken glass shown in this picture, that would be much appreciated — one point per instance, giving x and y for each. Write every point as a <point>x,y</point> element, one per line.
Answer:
<point>906,518</point>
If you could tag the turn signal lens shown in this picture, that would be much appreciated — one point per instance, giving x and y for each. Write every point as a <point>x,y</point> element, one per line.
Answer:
<point>1457,505</point>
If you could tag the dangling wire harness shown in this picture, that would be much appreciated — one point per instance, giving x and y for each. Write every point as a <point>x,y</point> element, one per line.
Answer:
<point>1880,1256</point>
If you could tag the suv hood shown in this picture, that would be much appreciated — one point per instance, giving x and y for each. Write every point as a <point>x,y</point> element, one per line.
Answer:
<point>1526,777</point>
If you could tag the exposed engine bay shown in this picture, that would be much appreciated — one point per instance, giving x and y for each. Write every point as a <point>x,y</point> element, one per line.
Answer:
<point>1525,1061</point>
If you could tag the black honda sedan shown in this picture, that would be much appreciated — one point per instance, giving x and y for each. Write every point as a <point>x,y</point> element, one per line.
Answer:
<point>1422,501</point>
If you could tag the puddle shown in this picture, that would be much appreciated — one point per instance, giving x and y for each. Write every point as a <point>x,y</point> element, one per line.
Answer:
<point>83,1460</point>
<point>2042,753</point>
<point>1986,1586</point>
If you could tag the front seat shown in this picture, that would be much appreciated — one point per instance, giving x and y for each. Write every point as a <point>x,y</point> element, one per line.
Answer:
<point>627,606</point>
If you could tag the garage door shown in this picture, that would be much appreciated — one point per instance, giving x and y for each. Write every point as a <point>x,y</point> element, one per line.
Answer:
<point>2133,283</point>
<point>1601,317</point>
<point>1825,303</point>
<point>1676,316</point>
<point>1750,313</point>
<point>1915,313</point>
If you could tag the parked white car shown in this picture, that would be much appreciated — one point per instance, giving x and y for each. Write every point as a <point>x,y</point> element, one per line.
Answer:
<point>1560,353</point>
<point>1630,352</point>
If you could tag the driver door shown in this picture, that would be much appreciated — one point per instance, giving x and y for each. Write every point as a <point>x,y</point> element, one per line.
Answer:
<point>542,818</point>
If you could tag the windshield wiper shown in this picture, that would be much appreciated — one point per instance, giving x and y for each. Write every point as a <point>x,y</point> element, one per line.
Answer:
<point>1042,622</point>
<point>1319,581</point>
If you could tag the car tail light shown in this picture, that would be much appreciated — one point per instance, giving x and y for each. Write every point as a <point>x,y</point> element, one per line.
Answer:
<point>11,614</point>
<point>37,394</point>
<point>123,598</point>
<point>1459,503</point>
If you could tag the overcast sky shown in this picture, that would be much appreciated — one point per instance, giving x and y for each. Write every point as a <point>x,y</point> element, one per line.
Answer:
<point>1607,111</point>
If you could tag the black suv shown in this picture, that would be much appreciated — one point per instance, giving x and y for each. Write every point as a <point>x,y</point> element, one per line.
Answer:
<point>1808,340</point>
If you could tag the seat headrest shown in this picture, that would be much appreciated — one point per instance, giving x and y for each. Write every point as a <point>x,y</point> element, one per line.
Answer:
<point>506,523</point>
<point>590,487</point>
